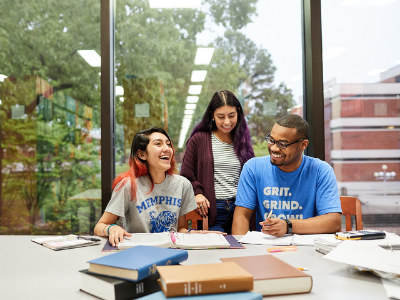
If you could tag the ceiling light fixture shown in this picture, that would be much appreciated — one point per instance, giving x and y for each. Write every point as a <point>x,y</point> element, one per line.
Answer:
<point>91,57</point>
<point>195,89</point>
<point>198,76</point>
<point>203,56</point>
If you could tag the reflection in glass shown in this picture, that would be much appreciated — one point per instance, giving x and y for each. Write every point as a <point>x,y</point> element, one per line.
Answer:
<point>174,60</point>
<point>49,117</point>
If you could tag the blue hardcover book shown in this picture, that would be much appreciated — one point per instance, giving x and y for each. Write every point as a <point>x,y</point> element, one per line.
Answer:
<point>136,263</point>
<point>227,296</point>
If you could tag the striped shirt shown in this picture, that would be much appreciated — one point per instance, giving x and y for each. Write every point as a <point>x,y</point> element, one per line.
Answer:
<point>226,169</point>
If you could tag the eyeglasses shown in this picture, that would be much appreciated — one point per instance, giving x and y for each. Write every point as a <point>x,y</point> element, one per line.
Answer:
<point>280,144</point>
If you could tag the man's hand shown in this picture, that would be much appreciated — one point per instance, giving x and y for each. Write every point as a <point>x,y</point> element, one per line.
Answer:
<point>275,227</point>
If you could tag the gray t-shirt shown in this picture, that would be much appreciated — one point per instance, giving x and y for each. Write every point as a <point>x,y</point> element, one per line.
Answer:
<point>157,211</point>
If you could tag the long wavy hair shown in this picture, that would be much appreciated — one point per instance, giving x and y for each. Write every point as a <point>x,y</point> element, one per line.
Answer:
<point>139,167</point>
<point>240,134</point>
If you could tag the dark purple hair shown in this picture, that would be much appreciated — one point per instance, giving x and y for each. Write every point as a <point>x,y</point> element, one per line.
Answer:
<point>240,134</point>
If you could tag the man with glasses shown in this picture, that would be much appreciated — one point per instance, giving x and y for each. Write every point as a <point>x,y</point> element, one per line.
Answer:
<point>291,192</point>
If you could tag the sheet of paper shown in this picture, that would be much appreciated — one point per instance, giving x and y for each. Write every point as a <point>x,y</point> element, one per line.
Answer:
<point>259,238</point>
<point>202,240</point>
<point>42,240</point>
<point>365,255</point>
<point>392,289</point>
<point>308,239</point>
<point>161,239</point>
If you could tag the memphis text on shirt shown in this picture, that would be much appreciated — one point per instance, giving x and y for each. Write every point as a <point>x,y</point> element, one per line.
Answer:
<point>281,204</point>
<point>158,200</point>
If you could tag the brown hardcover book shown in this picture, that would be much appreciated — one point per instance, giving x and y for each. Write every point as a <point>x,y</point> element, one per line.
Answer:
<point>273,276</point>
<point>204,279</point>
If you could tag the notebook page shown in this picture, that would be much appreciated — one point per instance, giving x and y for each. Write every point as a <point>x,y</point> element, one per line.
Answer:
<point>161,239</point>
<point>200,240</point>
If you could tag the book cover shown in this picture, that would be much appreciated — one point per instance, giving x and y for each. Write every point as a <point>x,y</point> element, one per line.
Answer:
<point>273,276</point>
<point>110,288</point>
<point>227,296</point>
<point>202,279</point>
<point>136,263</point>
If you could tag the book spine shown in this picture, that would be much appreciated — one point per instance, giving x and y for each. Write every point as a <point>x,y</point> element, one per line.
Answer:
<point>134,290</point>
<point>181,255</point>
<point>209,287</point>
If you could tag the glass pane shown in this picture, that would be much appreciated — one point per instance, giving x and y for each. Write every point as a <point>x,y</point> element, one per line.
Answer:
<point>49,116</point>
<point>170,61</point>
<point>362,105</point>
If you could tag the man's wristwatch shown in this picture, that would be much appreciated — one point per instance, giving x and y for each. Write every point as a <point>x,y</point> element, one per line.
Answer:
<point>289,226</point>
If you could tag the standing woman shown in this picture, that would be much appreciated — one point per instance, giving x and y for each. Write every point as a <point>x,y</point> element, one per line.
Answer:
<point>149,197</point>
<point>215,153</point>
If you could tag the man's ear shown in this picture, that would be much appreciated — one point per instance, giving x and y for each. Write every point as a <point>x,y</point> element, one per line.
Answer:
<point>304,144</point>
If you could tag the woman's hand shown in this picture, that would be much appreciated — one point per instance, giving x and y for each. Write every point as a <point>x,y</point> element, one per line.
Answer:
<point>117,234</point>
<point>202,205</point>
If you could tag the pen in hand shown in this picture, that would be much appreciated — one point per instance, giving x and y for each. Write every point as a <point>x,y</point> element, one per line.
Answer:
<point>269,215</point>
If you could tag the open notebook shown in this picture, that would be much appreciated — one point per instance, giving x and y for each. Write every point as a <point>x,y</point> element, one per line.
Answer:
<point>175,240</point>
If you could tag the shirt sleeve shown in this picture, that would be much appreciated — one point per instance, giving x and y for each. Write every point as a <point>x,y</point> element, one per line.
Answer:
<point>189,165</point>
<point>247,191</point>
<point>327,198</point>
<point>119,202</point>
<point>188,199</point>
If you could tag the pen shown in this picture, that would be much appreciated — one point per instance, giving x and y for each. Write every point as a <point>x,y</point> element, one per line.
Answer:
<point>303,269</point>
<point>282,249</point>
<point>270,214</point>
<point>88,238</point>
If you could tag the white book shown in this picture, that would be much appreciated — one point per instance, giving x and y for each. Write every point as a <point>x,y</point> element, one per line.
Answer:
<point>175,240</point>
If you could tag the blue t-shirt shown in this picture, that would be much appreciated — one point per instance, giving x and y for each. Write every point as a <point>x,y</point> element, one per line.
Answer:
<point>309,191</point>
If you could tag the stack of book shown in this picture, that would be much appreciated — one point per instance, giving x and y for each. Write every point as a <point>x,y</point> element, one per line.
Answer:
<point>154,274</point>
<point>128,274</point>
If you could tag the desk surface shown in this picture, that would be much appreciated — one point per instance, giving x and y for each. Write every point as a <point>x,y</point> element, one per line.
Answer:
<point>31,271</point>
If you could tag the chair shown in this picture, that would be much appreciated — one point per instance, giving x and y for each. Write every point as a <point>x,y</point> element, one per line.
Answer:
<point>195,221</point>
<point>351,206</point>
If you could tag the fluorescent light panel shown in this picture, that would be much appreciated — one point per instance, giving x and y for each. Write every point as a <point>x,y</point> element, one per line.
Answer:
<point>195,89</point>
<point>190,106</point>
<point>174,3</point>
<point>198,76</point>
<point>187,117</point>
<point>119,90</point>
<point>203,56</point>
<point>332,52</point>
<point>91,57</point>
<point>189,112</point>
<point>192,99</point>
<point>367,3</point>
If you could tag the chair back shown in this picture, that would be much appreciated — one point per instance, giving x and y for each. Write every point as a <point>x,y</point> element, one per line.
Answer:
<point>351,206</point>
<point>195,221</point>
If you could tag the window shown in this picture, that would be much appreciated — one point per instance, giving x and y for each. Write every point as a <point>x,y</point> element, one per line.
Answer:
<point>49,116</point>
<point>361,67</point>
